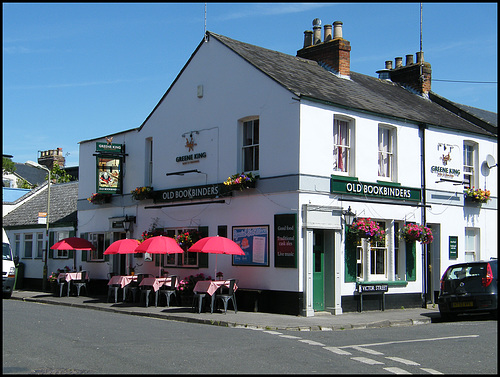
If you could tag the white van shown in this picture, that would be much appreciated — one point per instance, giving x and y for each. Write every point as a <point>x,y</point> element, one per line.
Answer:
<point>9,269</point>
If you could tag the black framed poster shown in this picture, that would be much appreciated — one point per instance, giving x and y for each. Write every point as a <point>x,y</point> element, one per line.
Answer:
<point>285,240</point>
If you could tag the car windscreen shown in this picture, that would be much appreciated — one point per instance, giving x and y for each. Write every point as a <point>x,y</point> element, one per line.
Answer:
<point>7,255</point>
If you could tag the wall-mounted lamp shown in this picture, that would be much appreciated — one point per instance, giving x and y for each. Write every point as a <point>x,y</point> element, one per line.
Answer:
<point>127,223</point>
<point>349,216</point>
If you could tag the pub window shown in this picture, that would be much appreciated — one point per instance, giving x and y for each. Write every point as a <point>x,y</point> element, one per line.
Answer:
<point>28,245</point>
<point>399,266</point>
<point>186,259</point>
<point>61,253</point>
<point>342,146</point>
<point>378,255</point>
<point>100,241</point>
<point>250,146</point>
<point>386,148</point>
<point>470,158</point>
<point>471,244</point>
<point>39,245</point>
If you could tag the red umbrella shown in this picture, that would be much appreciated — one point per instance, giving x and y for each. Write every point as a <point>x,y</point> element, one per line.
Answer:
<point>73,243</point>
<point>159,245</point>
<point>125,246</point>
<point>217,245</point>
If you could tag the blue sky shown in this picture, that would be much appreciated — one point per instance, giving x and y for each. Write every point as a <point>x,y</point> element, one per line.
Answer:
<point>79,71</point>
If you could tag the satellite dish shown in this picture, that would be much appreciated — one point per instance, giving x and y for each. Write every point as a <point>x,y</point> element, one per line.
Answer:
<point>490,161</point>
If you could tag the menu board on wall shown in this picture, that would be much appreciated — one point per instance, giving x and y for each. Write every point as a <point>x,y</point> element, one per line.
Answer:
<point>285,240</point>
<point>254,241</point>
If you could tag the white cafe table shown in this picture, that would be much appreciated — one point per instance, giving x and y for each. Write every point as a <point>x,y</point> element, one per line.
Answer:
<point>120,281</point>
<point>210,287</point>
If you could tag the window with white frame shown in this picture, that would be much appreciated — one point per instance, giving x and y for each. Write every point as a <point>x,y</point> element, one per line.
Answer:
<point>28,245</point>
<point>100,242</point>
<point>250,145</point>
<point>62,254</point>
<point>471,244</point>
<point>399,258</point>
<point>386,148</point>
<point>342,156</point>
<point>470,153</point>
<point>17,245</point>
<point>39,245</point>
<point>378,256</point>
<point>186,259</point>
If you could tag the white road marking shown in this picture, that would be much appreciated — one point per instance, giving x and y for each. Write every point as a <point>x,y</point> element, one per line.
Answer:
<point>400,360</point>
<point>290,336</point>
<point>337,350</point>
<point>431,371</point>
<point>272,332</point>
<point>397,370</point>
<point>366,360</point>
<point>312,342</point>
<point>367,350</point>
<point>410,341</point>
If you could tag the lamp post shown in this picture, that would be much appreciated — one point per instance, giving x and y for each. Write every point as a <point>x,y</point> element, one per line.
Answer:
<point>127,223</point>
<point>46,251</point>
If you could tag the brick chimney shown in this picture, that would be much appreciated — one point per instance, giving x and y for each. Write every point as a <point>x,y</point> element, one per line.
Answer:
<point>52,157</point>
<point>416,76</point>
<point>333,52</point>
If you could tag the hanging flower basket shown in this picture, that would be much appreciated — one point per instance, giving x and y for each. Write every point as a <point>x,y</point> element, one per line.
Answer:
<point>240,181</point>
<point>476,195</point>
<point>99,198</point>
<point>141,193</point>
<point>187,239</point>
<point>366,228</point>
<point>415,232</point>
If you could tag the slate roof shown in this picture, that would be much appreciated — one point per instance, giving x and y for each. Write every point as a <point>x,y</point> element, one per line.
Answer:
<point>33,175</point>
<point>306,78</point>
<point>63,198</point>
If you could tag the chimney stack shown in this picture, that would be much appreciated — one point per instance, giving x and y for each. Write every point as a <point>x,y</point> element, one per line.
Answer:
<point>332,52</point>
<point>416,76</point>
<point>52,157</point>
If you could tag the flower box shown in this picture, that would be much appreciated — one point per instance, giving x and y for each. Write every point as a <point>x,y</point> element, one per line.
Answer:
<point>99,198</point>
<point>240,181</point>
<point>476,195</point>
<point>141,193</point>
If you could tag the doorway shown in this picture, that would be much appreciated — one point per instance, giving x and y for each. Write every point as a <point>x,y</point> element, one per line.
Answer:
<point>318,270</point>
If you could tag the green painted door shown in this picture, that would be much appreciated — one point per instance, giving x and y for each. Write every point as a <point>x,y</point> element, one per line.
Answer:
<point>318,272</point>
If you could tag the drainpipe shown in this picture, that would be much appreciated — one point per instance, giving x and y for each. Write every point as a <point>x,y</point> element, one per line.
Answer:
<point>421,128</point>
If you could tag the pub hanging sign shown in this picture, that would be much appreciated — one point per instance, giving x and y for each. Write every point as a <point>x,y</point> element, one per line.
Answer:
<point>109,162</point>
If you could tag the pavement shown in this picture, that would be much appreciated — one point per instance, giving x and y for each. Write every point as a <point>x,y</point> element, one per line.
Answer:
<point>321,321</point>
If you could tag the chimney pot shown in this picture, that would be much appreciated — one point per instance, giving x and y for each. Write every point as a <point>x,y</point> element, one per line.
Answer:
<point>409,59</point>
<point>388,64</point>
<point>317,30</point>
<point>420,57</point>
<point>308,38</point>
<point>328,33</point>
<point>399,62</point>
<point>337,29</point>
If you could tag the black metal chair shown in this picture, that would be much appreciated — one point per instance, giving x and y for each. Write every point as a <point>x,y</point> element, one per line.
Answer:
<point>198,296</point>
<point>113,289</point>
<point>134,285</point>
<point>79,283</point>
<point>146,290</point>
<point>171,289</point>
<point>228,294</point>
<point>62,282</point>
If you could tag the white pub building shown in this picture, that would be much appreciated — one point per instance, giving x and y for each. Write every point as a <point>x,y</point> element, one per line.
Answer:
<point>324,143</point>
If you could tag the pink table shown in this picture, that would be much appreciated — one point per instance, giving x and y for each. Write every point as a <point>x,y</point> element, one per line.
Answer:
<point>68,276</point>
<point>211,286</point>
<point>122,280</point>
<point>156,283</point>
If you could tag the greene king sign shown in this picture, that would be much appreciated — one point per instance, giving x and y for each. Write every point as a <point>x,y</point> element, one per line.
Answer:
<point>341,186</point>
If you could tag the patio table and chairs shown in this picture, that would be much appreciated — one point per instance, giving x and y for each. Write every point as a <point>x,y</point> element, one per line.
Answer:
<point>150,285</point>
<point>205,288</point>
<point>119,282</point>
<point>79,279</point>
